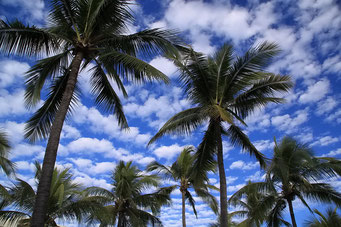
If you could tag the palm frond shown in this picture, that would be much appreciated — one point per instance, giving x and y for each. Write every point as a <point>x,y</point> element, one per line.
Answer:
<point>131,67</point>
<point>38,74</point>
<point>183,122</point>
<point>106,96</point>
<point>25,40</point>
<point>38,126</point>
<point>237,137</point>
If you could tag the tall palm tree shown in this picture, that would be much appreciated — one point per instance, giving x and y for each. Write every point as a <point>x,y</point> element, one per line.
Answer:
<point>6,165</point>
<point>79,32</point>
<point>127,204</point>
<point>181,171</point>
<point>66,201</point>
<point>224,90</point>
<point>333,219</point>
<point>299,174</point>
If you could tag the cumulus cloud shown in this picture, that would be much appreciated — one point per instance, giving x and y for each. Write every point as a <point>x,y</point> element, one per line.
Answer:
<point>244,165</point>
<point>12,71</point>
<point>168,152</point>
<point>12,104</point>
<point>325,140</point>
<point>334,153</point>
<point>288,123</point>
<point>315,92</point>
<point>164,65</point>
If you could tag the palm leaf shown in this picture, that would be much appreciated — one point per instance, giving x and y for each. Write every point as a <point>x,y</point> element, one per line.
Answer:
<point>106,96</point>
<point>16,38</point>
<point>38,126</point>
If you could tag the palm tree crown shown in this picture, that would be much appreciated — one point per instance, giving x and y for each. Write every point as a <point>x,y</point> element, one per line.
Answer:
<point>225,89</point>
<point>127,204</point>
<point>182,172</point>
<point>66,201</point>
<point>79,32</point>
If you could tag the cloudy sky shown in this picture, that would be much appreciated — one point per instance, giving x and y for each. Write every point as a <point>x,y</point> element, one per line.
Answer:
<point>308,32</point>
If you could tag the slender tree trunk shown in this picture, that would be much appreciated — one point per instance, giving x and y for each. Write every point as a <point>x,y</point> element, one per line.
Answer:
<point>43,192</point>
<point>183,208</point>
<point>292,215</point>
<point>119,220</point>
<point>222,178</point>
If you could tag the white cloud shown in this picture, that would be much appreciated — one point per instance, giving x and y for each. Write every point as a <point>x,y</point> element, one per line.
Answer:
<point>70,132</point>
<point>288,123</point>
<point>88,166</point>
<point>316,91</point>
<point>12,71</point>
<point>25,150</point>
<point>109,126</point>
<point>164,65</point>
<point>326,140</point>
<point>168,152</point>
<point>326,105</point>
<point>243,165</point>
<point>234,188</point>
<point>334,153</point>
<point>14,131</point>
<point>34,9</point>
<point>335,117</point>
<point>263,145</point>
<point>12,104</point>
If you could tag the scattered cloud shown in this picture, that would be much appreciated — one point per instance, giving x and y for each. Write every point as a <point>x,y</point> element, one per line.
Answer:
<point>244,165</point>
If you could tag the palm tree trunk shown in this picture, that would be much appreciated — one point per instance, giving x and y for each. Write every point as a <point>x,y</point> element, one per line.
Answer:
<point>43,191</point>
<point>120,219</point>
<point>183,209</point>
<point>292,215</point>
<point>222,178</point>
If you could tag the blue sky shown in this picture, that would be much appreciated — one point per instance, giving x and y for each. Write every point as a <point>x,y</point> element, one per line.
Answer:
<point>308,32</point>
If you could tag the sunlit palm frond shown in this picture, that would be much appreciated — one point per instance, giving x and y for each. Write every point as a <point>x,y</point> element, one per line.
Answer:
<point>131,67</point>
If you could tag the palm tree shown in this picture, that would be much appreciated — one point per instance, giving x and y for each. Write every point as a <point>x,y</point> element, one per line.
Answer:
<point>293,173</point>
<point>257,205</point>
<point>332,219</point>
<point>181,171</point>
<point>78,33</point>
<point>6,165</point>
<point>127,204</point>
<point>66,201</point>
<point>225,89</point>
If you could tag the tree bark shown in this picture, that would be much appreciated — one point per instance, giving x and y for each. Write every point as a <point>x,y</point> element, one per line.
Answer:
<point>222,178</point>
<point>43,191</point>
<point>183,208</point>
<point>292,215</point>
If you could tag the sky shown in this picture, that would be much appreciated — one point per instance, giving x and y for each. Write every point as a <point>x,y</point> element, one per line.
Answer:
<point>308,32</point>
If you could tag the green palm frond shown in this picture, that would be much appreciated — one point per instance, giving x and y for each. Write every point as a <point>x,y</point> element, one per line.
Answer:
<point>38,126</point>
<point>183,122</point>
<point>37,76</point>
<point>25,40</point>
<point>205,156</point>
<point>191,201</point>
<point>332,219</point>
<point>131,67</point>
<point>237,137</point>
<point>148,42</point>
<point>12,218</point>
<point>106,96</point>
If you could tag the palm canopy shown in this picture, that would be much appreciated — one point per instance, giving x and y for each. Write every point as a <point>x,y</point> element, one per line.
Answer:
<point>66,201</point>
<point>182,172</point>
<point>6,165</point>
<point>332,219</point>
<point>294,173</point>
<point>224,89</point>
<point>128,203</point>
<point>97,29</point>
